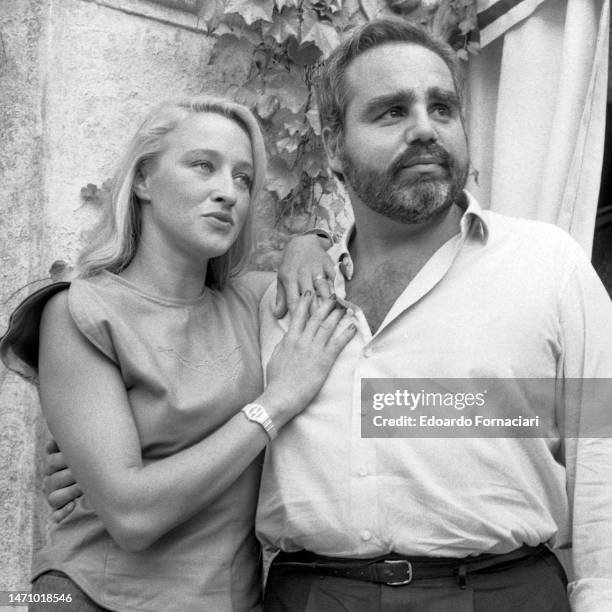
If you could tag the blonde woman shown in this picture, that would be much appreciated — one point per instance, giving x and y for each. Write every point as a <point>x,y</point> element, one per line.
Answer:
<point>149,367</point>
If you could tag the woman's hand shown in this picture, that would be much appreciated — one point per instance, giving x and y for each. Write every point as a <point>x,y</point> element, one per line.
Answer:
<point>305,267</point>
<point>59,484</point>
<point>304,357</point>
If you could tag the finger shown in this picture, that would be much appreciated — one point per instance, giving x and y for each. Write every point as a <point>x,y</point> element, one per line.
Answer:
<point>58,480</point>
<point>292,293</point>
<point>51,447</point>
<point>339,341</point>
<point>319,315</point>
<point>280,307</point>
<point>304,279</point>
<point>322,286</point>
<point>58,499</point>
<point>329,325</point>
<point>299,316</point>
<point>330,273</point>
<point>60,514</point>
<point>53,463</point>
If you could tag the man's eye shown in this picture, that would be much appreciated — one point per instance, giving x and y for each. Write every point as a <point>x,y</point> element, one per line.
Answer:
<point>244,180</point>
<point>444,110</point>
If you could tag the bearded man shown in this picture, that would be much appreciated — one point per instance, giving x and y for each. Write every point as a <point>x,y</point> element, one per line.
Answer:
<point>441,289</point>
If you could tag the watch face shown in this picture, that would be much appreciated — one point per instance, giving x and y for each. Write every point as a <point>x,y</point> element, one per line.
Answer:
<point>256,411</point>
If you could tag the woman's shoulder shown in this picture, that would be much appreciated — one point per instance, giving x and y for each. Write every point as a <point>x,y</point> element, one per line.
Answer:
<point>84,300</point>
<point>254,282</point>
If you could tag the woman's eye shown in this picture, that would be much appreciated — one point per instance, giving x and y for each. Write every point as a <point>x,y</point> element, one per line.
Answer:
<point>393,113</point>
<point>205,166</point>
<point>244,180</point>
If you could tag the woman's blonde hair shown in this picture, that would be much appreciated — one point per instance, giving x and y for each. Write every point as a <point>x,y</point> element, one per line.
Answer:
<point>115,239</point>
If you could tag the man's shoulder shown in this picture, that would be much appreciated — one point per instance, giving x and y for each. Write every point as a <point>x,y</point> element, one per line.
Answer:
<point>529,231</point>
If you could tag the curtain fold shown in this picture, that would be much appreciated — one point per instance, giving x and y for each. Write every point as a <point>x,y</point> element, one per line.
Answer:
<point>536,115</point>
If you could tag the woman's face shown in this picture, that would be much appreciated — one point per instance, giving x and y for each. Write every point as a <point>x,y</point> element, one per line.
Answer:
<point>196,194</point>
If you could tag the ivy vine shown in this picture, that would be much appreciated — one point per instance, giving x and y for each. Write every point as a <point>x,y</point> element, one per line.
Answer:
<point>283,43</point>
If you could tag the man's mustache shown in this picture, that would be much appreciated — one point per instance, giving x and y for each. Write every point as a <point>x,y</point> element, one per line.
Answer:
<point>434,151</point>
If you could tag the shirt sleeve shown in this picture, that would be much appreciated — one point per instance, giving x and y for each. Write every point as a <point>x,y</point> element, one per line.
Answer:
<point>90,313</point>
<point>586,334</point>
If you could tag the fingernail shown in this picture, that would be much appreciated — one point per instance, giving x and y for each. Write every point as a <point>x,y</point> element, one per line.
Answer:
<point>307,293</point>
<point>353,327</point>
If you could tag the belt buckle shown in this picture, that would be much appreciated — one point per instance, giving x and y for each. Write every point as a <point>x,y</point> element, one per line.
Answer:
<point>408,579</point>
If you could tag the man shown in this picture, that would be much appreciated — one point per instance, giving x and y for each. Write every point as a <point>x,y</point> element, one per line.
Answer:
<point>441,290</point>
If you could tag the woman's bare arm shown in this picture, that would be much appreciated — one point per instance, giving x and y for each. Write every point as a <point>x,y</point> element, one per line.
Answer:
<point>86,406</point>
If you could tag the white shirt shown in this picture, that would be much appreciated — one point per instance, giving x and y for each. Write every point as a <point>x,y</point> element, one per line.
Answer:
<point>504,298</point>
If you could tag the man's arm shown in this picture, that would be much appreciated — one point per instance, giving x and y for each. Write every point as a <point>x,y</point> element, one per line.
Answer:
<point>585,317</point>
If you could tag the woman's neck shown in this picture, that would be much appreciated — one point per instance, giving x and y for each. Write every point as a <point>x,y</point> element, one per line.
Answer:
<point>166,272</point>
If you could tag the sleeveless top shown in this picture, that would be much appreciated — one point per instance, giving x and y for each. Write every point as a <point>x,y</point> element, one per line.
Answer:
<point>188,367</point>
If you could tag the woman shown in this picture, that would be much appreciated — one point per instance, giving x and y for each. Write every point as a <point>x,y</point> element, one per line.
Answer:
<point>144,371</point>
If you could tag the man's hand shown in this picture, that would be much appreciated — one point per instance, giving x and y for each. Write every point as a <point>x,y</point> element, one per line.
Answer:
<point>305,267</point>
<point>59,484</point>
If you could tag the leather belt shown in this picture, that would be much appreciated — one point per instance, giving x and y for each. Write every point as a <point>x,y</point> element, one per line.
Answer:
<point>395,570</point>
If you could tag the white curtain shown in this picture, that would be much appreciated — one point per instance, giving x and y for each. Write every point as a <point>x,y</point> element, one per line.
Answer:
<point>536,113</point>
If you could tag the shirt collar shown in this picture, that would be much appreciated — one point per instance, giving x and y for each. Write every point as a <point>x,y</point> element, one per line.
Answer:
<point>473,225</point>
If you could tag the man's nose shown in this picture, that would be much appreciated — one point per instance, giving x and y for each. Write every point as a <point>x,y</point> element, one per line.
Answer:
<point>420,127</point>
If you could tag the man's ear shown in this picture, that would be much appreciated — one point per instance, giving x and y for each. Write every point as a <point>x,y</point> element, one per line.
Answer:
<point>333,147</point>
<point>141,185</point>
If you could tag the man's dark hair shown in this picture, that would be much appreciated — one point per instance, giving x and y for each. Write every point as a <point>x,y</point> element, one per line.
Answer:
<point>331,90</point>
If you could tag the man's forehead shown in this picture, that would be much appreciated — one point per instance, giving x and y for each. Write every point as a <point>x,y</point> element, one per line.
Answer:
<point>394,66</point>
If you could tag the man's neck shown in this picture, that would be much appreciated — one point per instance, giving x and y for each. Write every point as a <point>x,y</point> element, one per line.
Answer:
<point>388,255</point>
<point>379,239</point>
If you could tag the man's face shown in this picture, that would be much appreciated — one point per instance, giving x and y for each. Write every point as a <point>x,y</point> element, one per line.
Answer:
<point>404,151</point>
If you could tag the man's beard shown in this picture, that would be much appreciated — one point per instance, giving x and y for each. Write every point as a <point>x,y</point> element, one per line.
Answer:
<point>409,201</point>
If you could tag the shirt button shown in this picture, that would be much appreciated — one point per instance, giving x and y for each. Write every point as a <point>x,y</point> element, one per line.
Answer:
<point>367,352</point>
<point>366,535</point>
<point>363,471</point>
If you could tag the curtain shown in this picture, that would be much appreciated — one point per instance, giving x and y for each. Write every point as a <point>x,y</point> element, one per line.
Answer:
<point>536,110</point>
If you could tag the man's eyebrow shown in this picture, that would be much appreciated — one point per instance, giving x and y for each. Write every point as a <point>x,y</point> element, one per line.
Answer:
<point>444,95</point>
<point>404,97</point>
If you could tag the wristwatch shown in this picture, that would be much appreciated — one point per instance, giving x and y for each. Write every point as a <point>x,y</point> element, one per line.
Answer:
<point>256,413</point>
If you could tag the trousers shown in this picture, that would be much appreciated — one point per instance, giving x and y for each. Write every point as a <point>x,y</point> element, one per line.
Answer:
<point>536,584</point>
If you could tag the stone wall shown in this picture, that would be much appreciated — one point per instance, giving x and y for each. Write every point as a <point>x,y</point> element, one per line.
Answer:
<point>75,78</point>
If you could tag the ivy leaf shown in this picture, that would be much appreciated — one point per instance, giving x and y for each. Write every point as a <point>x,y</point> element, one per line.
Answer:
<point>290,89</point>
<point>283,27</point>
<point>236,25</point>
<point>462,54</point>
<point>60,270</point>
<point>281,179</point>
<point>303,55</point>
<point>251,10</point>
<point>280,4</point>
<point>228,46</point>
<point>267,106</point>
<point>323,35</point>
<point>295,125</point>
<point>211,12</point>
<point>313,163</point>
<point>314,120</point>
<point>322,213</point>
<point>288,143</point>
